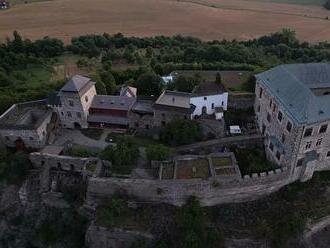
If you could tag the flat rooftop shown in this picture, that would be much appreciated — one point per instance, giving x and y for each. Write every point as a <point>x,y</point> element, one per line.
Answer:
<point>25,115</point>
<point>174,99</point>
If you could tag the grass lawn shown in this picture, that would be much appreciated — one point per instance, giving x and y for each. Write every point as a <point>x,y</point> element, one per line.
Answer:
<point>252,161</point>
<point>221,161</point>
<point>93,133</point>
<point>197,168</point>
<point>139,140</point>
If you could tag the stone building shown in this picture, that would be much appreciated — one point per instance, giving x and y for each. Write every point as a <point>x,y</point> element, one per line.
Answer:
<point>293,112</point>
<point>141,115</point>
<point>74,100</point>
<point>27,125</point>
<point>172,105</point>
<point>209,98</point>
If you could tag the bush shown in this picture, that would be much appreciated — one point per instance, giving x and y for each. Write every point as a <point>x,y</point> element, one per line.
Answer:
<point>13,166</point>
<point>123,155</point>
<point>181,132</point>
<point>157,152</point>
<point>79,151</point>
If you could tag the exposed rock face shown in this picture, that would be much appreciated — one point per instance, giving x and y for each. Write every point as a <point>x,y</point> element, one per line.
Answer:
<point>101,237</point>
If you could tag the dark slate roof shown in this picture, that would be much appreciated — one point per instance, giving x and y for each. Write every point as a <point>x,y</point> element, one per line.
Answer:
<point>209,88</point>
<point>113,102</point>
<point>54,99</point>
<point>114,120</point>
<point>77,83</point>
<point>144,105</point>
<point>174,99</point>
<point>291,85</point>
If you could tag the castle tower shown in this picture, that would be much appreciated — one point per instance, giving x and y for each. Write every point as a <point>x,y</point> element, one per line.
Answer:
<point>76,97</point>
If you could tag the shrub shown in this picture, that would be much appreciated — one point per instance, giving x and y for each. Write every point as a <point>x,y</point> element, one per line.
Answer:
<point>181,132</point>
<point>157,152</point>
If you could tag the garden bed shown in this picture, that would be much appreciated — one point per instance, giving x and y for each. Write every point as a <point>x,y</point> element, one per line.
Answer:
<point>194,168</point>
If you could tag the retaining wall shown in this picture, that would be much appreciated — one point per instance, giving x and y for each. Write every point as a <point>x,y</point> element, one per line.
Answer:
<point>210,192</point>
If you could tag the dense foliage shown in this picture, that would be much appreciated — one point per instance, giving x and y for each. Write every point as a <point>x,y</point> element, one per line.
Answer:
<point>123,155</point>
<point>157,152</point>
<point>181,132</point>
<point>13,166</point>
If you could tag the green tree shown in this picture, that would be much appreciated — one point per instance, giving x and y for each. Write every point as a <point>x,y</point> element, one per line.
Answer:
<point>157,152</point>
<point>218,78</point>
<point>181,132</point>
<point>149,84</point>
<point>123,155</point>
<point>184,84</point>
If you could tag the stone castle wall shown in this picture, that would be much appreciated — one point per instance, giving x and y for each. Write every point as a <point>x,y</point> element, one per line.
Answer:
<point>210,192</point>
<point>241,100</point>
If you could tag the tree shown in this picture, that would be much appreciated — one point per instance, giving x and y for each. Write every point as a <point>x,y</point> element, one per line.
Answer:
<point>123,155</point>
<point>108,81</point>
<point>149,84</point>
<point>181,132</point>
<point>327,5</point>
<point>218,78</point>
<point>157,152</point>
<point>192,229</point>
<point>184,84</point>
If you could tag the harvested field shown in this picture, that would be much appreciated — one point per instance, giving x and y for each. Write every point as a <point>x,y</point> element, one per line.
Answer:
<point>206,19</point>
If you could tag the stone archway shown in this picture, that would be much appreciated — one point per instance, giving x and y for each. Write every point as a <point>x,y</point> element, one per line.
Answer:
<point>19,143</point>
<point>77,125</point>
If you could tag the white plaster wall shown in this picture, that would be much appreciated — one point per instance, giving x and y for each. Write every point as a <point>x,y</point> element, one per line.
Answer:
<point>220,100</point>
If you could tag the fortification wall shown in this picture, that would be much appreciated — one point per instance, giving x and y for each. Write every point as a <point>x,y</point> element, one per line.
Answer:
<point>210,192</point>
<point>241,100</point>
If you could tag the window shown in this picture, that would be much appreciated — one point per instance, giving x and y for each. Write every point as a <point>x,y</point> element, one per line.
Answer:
<point>205,98</point>
<point>163,123</point>
<point>258,108</point>
<point>278,155</point>
<point>300,162</point>
<point>274,107</point>
<point>71,103</point>
<point>308,132</point>
<point>86,98</point>
<point>308,145</point>
<point>318,142</point>
<point>212,106</point>
<point>280,116</point>
<point>163,115</point>
<point>289,126</point>
<point>7,138</point>
<point>270,103</point>
<point>283,138</point>
<point>323,128</point>
<point>62,113</point>
<point>328,154</point>
<point>271,146</point>
<point>79,115</point>
<point>268,117</point>
<point>31,138</point>
<point>222,103</point>
<point>260,92</point>
<point>69,114</point>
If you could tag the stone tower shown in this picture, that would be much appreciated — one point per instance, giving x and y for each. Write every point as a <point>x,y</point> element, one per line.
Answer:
<point>75,98</point>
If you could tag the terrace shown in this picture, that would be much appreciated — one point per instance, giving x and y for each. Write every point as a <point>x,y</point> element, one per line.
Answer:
<point>222,165</point>
<point>25,115</point>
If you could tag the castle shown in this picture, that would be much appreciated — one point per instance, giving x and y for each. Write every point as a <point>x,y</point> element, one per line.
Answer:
<point>77,105</point>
